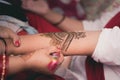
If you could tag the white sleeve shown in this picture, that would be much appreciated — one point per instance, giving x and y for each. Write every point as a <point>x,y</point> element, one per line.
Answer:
<point>108,47</point>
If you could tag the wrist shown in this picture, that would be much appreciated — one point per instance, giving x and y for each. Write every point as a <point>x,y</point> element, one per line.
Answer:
<point>54,18</point>
<point>47,14</point>
<point>60,21</point>
<point>16,64</point>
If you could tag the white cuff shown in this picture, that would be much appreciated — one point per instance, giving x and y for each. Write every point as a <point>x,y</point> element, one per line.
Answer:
<point>108,47</point>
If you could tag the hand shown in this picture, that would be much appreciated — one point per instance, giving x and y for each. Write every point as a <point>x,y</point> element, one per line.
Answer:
<point>36,6</point>
<point>43,60</point>
<point>7,33</point>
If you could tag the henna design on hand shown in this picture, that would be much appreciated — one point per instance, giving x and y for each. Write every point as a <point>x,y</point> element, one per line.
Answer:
<point>64,39</point>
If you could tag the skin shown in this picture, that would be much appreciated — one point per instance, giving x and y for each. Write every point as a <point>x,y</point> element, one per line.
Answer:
<point>41,8</point>
<point>28,53</point>
<point>8,33</point>
<point>35,60</point>
<point>68,24</point>
<point>70,43</point>
<point>67,43</point>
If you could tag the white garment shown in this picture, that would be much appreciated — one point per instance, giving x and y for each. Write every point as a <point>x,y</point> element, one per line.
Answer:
<point>107,54</point>
<point>107,51</point>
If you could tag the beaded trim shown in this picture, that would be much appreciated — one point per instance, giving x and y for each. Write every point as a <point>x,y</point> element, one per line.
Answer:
<point>4,60</point>
<point>4,67</point>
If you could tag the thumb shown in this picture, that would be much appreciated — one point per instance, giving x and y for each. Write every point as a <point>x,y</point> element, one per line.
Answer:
<point>15,39</point>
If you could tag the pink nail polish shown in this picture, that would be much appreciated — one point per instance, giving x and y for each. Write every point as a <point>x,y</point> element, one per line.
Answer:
<point>17,43</point>
<point>52,65</point>
<point>56,54</point>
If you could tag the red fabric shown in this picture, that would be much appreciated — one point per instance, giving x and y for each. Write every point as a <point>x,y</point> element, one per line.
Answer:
<point>22,33</point>
<point>115,21</point>
<point>95,70</point>
<point>42,26</point>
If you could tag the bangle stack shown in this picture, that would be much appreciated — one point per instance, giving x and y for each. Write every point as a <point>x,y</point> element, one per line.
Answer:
<point>4,60</point>
<point>63,18</point>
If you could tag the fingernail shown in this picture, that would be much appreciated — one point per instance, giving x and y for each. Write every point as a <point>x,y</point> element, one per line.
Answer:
<point>17,43</point>
<point>52,65</point>
<point>56,55</point>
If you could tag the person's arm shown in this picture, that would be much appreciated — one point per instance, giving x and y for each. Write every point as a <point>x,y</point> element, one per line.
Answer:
<point>39,61</point>
<point>67,24</point>
<point>15,65</point>
<point>29,43</point>
<point>71,43</point>
<point>41,8</point>
<point>42,60</point>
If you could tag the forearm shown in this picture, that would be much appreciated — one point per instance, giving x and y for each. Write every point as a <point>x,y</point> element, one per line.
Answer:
<point>68,24</point>
<point>71,43</point>
<point>41,8</point>
<point>80,43</point>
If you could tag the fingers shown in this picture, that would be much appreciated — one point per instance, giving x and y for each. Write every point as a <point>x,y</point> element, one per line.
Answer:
<point>54,58</point>
<point>7,33</point>
<point>15,38</point>
<point>52,66</point>
<point>57,58</point>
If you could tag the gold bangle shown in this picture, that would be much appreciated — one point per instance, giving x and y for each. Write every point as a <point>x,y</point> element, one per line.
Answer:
<point>63,18</point>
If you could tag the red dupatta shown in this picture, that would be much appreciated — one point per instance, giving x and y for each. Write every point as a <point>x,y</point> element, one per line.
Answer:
<point>95,70</point>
